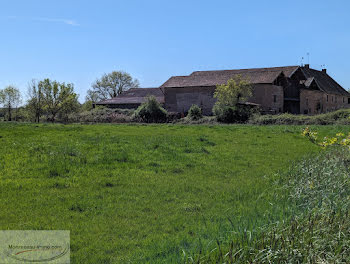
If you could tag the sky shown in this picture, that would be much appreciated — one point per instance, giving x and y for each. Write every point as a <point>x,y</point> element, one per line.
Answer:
<point>77,41</point>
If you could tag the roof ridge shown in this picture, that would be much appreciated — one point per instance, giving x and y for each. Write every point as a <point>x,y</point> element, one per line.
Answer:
<point>246,69</point>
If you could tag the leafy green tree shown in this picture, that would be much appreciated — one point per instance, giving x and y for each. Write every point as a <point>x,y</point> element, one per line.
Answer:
<point>229,96</point>
<point>111,85</point>
<point>35,100</point>
<point>237,90</point>
<point>58,98</point>
<point>10,98</point>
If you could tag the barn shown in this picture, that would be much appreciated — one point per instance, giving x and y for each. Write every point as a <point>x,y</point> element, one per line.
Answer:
<point>133,98</point>
<point>291,89</point>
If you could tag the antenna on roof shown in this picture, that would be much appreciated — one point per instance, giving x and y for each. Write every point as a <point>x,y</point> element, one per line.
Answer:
<point>308,57</point>
<point>302,62</point>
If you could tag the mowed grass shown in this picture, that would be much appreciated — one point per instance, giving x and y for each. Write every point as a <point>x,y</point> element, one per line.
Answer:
<point>136,193</point>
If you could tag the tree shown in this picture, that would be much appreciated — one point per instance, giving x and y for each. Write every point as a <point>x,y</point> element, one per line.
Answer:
<point>58,98</point>
<point>35,101</point>
<point>10,98</point>
<point>150,111</point>
<point>229,96</point>
<point>111,85</point>
<point>237,90</point>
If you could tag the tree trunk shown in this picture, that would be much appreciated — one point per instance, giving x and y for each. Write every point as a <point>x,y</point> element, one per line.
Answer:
<point>10,117</point>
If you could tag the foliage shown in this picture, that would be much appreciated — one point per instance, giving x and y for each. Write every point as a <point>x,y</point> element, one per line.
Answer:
<point>237,90</point>
<point>230,97</point>
<point>102,115</point>
<point>87,106</point>
<point>111,85</point>
<point>232,114</point>
<point>35,100</point>
<point>341,117</point>
<point>195,112</point>
<point>150,111</point>
<point>205,120</point>
<point>58,98</point>
<point>10,98</point>
<point>143,193</point>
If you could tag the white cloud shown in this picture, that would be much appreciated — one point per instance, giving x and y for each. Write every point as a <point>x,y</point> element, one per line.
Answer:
<point>69,22</point>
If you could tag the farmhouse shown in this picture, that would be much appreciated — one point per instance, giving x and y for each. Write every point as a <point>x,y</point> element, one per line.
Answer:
<point>292,89</point>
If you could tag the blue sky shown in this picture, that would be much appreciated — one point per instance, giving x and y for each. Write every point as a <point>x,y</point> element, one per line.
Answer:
<point>77,41</point>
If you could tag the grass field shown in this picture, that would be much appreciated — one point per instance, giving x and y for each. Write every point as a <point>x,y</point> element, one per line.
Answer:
<point>134,193</point>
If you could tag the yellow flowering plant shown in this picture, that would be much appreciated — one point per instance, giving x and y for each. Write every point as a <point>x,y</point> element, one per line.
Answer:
<point>340,138</point>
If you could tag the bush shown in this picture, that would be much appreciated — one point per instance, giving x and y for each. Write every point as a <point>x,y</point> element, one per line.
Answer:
<point>150,112</point>
<point>232,114</point>
<point>102,115</point>
<point>340,117</point>
<point>195,112</point>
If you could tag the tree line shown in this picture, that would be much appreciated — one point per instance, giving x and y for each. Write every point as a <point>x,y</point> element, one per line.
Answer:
<point>50,100</point>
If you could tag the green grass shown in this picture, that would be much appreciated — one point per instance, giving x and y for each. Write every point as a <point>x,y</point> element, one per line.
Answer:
<point>318,194</point>
<point>134,193</point>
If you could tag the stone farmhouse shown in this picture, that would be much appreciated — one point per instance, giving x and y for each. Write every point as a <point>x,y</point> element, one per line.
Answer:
<point>292,89</point>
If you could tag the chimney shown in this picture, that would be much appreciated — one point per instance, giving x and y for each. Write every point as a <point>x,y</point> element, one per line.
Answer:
<point>307,66</point>
<point>324,70</point>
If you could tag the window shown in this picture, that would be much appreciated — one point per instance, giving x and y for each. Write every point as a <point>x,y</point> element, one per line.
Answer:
<point>307,102</point>
<point>275,98</point>
<point>327,97</point>
<point>335,99</point>
<point>348,100</point>
<point>343,99</point>
<point>332,98</point>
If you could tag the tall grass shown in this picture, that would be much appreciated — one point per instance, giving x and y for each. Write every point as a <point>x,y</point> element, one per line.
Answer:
<point>317,192</point>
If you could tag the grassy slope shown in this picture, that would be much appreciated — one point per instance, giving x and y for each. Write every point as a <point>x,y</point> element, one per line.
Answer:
<point>142,192</point>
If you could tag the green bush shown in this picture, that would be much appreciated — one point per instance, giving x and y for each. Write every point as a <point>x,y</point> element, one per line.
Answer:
<point>232,114</point>
<point>150,112</point>
<point>195,112</point>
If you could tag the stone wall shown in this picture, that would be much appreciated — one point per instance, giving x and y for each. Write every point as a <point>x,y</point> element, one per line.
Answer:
<point>180,99</point>
<point>270,97</point>
<point>315,102</point>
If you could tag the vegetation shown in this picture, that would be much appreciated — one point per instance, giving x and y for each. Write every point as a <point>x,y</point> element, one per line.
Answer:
<point>195,113</point>
<point>136,193</point>
<point>229,107</point>
<point>340,117</point>
<point>102,115</point>
<point>111,85</point>
<point>150,111</point>
<point>10,98</point>
<point>316,193</point>
<point>52,99</point>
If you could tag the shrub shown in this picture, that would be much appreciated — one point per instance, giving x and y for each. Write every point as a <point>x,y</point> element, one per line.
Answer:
<point>338,117</point>
<point>195,112</point>
<point>232,114</point>
<point>151,111</point>
<point>102,115</point>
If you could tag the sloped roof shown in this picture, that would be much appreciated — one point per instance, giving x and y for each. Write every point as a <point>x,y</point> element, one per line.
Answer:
<point>135,96</point>
<point>257,75</point>
<point>213,78</point>
<point>324,81</point>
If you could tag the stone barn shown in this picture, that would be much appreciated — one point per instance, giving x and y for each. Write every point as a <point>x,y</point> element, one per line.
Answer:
<point>292,89</point>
